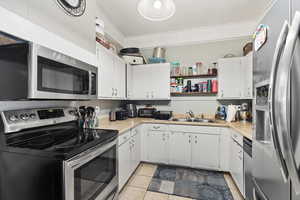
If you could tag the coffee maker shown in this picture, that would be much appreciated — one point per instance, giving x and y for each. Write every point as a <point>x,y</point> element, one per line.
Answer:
<point>132,110</point>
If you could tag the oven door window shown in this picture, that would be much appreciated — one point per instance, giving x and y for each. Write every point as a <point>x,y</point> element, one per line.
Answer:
<point>92,178</point>
<point>61,78</point>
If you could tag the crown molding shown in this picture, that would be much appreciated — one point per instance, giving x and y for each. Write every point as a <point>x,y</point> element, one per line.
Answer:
<point>193,36</point>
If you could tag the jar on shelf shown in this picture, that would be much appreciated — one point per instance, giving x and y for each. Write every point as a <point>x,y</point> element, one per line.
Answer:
<point>199,67</point>
<point>190,71</point>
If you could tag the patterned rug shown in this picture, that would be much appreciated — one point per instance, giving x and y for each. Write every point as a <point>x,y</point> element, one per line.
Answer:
<point>191,183</point>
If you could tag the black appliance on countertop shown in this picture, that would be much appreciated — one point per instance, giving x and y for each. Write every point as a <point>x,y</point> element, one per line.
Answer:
<point>45,154</point>
<point>146,112</point>
<point>121,115</point>
<point>163,115</point>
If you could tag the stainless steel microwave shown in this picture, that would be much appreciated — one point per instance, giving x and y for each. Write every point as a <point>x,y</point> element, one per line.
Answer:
<point>31,71</point>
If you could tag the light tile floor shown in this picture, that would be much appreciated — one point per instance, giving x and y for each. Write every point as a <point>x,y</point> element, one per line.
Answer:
<point>136,188</point>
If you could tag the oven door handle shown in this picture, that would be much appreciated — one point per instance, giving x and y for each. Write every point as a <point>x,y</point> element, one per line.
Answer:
<point>278,144</point>
<point>89,155</point>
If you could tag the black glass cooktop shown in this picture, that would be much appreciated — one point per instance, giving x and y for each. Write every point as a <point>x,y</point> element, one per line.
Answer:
<point>66,138</point>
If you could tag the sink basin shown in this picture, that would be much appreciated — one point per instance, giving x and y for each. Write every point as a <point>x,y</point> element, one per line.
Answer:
<point>193,120</point>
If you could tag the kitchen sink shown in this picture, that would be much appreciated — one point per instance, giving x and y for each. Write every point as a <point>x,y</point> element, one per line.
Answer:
<point>193,120</point>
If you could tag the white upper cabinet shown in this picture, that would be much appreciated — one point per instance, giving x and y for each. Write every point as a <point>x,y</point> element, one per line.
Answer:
<point>235,78</point>
<point>230,78</point>
<point>112,73</point>
<point>247,68</point>
<point>149,82</point>
<point>120,78</point>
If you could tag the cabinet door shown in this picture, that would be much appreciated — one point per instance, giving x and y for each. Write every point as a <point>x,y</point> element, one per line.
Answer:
<point>124,167</point>
<point>105,73</point>
<point>180,148</point>
<point>237,170</point>
<point>119,78</point>
<point>157,147</point>
<point>141,75</point>
<point>129,81</point>
<point>206,151</point>
<point>160,85</point>
<point>247,68</point>
<point>230,86</point>
<point>136,151</point>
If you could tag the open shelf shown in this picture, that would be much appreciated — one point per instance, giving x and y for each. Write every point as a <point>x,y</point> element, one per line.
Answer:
<point>196,76</point>
<point>194,93</point>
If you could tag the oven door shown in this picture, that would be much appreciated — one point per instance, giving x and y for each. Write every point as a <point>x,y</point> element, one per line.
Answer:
<point>56,76</point>
<point>93,174</point>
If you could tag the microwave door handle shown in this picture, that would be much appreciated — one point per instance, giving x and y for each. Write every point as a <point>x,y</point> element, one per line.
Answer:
<point>283,103</point>
<point>272,110</point>
<point>90,82</point>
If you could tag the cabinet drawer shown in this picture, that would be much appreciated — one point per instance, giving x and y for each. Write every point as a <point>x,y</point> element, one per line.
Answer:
<point>123,138</point>
<point>195,129</point>
<point>158,127</point>
<point>237,137</point>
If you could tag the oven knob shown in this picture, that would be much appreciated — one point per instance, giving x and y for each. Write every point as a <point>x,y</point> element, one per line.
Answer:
<point>72,112</point>
<point>32,116</point>
<point>24,116</point>
<point>13,118</point>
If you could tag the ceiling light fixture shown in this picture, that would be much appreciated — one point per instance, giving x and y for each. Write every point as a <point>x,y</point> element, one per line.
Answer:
<point>157,4</point>
<point>156,10</point>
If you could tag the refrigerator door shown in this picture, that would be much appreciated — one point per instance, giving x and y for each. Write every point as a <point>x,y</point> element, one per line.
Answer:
<point>294,108</point>
<point>275,18</point>
<point>295,99</point>
<point>268,171</point>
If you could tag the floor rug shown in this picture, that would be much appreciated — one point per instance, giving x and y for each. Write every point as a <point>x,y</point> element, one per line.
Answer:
<point>190,183</point>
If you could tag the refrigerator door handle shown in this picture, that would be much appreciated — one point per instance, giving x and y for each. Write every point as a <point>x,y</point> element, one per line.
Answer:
<point>257,192</point>
<point>283,101</point>
<point>278,144</point>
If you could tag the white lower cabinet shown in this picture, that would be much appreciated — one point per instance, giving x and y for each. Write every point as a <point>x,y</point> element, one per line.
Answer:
<point>206,151</point>
<point>158,146</point>
<point>129,151</point>
<point>135,150</point>
<point>237,164</point>
<point>124,163</point>
<point>180,148</point>
<point>204,147</point>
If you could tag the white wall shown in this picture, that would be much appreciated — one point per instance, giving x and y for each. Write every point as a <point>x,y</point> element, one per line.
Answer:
<point>78,30</point>
<point>188,55</point>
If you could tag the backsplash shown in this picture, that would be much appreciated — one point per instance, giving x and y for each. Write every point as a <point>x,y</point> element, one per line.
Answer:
<point>105,105</point>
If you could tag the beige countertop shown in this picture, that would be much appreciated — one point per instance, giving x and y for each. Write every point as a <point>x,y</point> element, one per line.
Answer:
<point>245,129</point>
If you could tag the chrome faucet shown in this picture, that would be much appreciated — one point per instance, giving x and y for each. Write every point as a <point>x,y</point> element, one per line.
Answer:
<point>191,114</point>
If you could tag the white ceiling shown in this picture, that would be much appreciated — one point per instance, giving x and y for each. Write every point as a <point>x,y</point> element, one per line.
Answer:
<point>190,14</point>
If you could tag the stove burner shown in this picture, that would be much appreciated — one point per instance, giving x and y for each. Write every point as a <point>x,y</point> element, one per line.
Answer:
<point>42,142</point>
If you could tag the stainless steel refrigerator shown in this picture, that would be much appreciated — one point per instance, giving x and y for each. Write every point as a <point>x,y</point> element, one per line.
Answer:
<point>276,145</point>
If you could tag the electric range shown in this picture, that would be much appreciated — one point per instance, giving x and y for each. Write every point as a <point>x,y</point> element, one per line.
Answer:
<point>45,154</point>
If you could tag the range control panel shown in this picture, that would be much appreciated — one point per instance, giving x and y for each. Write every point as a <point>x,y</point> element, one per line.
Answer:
<point>16,120</point>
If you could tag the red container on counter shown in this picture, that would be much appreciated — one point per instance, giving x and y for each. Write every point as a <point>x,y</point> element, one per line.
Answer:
<point>214,86</point>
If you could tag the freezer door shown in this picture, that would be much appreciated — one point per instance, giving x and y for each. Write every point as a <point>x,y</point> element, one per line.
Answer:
<point>295,104</point>
<point>264,56</point>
